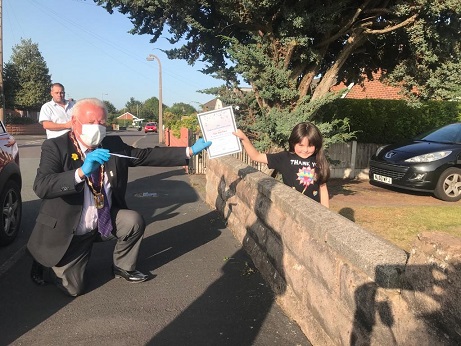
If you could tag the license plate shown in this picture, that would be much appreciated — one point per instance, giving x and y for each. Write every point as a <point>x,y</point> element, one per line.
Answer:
<point>382,179</point>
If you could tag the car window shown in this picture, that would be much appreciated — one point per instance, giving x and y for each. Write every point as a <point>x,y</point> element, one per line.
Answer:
<point>7,153</point>
<point>447,134</point>
<point>4,138</point>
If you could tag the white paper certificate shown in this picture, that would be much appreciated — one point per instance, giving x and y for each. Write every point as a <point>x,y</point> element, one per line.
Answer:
<point>217,126</point>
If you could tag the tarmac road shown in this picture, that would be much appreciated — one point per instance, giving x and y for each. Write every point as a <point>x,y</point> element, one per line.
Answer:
<point>205,290</point>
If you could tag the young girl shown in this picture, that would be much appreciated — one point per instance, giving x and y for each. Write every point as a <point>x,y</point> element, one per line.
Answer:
<point>304,167</point>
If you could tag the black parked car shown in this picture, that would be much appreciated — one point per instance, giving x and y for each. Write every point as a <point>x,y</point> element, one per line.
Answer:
<point>10,188</point>
<point>430,163</point>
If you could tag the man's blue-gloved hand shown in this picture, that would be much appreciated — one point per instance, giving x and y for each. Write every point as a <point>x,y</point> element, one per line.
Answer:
<point>199,146</point>
<point>94,160</point>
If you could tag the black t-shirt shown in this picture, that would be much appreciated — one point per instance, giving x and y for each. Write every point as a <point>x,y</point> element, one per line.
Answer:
<point>297,173</point>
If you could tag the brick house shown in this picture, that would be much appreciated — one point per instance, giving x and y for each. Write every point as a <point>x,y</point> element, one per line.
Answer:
<point>367,89</point>
<point>21,113</point>
<point>128,119</point>
<point>370,89</point>
<point>216,103</point>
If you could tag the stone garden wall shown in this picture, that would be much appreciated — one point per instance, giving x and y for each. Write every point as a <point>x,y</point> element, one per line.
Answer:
<point>340,283</point>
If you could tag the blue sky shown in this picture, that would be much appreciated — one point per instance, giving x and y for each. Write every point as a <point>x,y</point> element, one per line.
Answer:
<point>91,52</point>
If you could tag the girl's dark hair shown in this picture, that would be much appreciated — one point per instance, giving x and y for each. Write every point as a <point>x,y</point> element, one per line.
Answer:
<point>315,138</point>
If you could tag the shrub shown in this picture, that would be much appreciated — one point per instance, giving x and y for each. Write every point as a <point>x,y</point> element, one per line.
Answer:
<point>188,121</point>
<point>14,120</point>
<point>390,121</point>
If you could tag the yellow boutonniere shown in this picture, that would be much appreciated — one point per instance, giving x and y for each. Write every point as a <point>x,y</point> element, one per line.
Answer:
<point>74,156</point>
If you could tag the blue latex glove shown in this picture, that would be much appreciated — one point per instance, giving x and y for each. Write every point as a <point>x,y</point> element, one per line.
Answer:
<point>94,160</point>
<point>199,146</point>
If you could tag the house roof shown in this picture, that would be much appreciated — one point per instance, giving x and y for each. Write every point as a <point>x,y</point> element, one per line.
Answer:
<point>370,89</point>
<point>367,89</point>
<point>216,103</point>
<point>128,116</point>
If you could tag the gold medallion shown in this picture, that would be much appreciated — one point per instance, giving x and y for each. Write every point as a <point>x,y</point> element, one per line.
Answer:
<point>99,200</point>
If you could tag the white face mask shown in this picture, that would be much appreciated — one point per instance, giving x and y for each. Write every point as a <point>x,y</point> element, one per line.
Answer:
<point>92,134</point>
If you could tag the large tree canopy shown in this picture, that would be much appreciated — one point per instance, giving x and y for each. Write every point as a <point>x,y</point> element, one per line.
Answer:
<point>27,79</point>
<point>150,109</point>
<point>181,109</point>
<point>133,106</point>
<point>291,52</point>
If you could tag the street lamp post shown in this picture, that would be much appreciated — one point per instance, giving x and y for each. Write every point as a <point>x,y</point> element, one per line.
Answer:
<point>102,96</point>
<point>151,57</point>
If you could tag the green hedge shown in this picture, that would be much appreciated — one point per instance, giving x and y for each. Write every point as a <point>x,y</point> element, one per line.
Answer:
<point>188,121</point>
<point>390,121</point>
<point>15,120</point>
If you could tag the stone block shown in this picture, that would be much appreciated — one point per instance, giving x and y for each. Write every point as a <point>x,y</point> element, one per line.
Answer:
<point>433,282</point>
<point>294,237</point>
<point>328,311</point>
<point>265,266</point>
<point>322,263</point>
<point>266,210</point>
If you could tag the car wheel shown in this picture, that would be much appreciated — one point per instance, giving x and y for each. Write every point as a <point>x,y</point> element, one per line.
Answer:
<point>449,185</point>
<point>10,216</point>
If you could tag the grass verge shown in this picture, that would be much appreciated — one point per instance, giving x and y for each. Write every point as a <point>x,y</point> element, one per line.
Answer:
<point>401,225</point>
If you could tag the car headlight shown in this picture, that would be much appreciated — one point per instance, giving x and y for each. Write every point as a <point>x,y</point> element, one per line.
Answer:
<point>379,149</point>
<point>429,157</point>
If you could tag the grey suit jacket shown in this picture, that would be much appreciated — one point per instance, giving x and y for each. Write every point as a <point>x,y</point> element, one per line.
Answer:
<point>62,199</point>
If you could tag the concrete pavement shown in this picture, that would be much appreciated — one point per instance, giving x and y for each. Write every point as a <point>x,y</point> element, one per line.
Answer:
<point>205,289</point>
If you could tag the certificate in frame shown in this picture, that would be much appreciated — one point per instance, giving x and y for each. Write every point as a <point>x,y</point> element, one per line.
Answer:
<point>217,126</point>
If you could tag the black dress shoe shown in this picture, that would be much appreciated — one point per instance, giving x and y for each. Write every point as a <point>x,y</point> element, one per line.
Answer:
<point>131,276</point>
<point>36,273</point>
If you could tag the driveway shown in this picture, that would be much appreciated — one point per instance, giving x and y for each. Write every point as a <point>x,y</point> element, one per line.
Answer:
<point>354,192</point>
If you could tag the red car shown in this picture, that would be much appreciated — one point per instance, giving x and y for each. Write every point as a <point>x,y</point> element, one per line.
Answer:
<point>150,127</point>
<point>10,188</point>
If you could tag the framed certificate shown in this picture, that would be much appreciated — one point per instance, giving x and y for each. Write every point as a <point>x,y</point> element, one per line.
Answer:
<point>217,126</point>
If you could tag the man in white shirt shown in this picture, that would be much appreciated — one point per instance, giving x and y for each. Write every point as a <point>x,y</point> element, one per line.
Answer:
<point>55,115</point>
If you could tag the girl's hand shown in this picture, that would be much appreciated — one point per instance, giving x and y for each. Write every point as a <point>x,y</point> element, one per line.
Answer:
<point>239,134</point>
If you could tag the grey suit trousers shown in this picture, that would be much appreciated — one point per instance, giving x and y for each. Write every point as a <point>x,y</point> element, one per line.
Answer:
<point>129,228</point>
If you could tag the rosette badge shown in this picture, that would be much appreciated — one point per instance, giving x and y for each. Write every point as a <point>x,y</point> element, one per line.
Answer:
<point>306,176</point>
